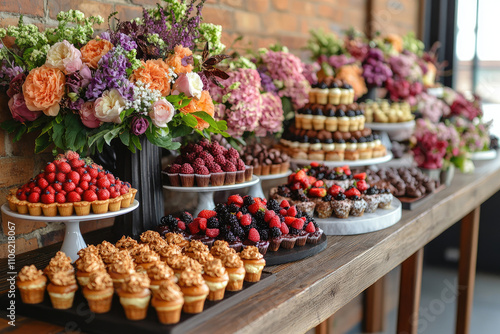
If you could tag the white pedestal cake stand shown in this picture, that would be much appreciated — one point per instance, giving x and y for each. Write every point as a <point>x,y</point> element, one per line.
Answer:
<point>369,222</point>
<point>256,190</point>
<point>350,163</point>
<point>73,239</point>
<point>206,194</point>
<point>396,131</point>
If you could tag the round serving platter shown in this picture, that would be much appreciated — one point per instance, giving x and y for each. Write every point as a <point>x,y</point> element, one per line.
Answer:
<point>283,255</point>
<point>257,191</point>
<point>369,222</point>
<point>350,163</point>
<point>484,155</point>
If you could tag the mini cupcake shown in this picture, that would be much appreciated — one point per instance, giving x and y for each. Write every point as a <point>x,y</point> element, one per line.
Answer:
<point>144,257</point>
<point>202,176</point>
<point>202,257</point>
<point>22,207</point>
<point>65,209</point>
<point>372,199</point>
<point>254,263</point>
<point>60,262</point>
<point>126,243</point>
<point>12,199</point>
<point>248,173</point>
<point>115,204</point>
<point>62,289</point>
<point>230,170</point>
<point>181,263</point>
<point>106,250</point>
<point>220,249</point>
<point>121,267</point>
<point>217,175</point>
<point>275,238</point>
<point>149,236</point>
<point>173,175</point>
<point>334,93</point>
<point>194,289</point>
<point>31,283</point>
<point>341,206</point>
<point>35,209</point>
<point>235,270</point>
<point>322,93</point>
<point>135,295</point>
<point>195,246</point>
<point>216,278</point>
<point>324,208</point>
<point>99,292</point>
<point>168,301</point>
<point>88,264</point>
<point>158,273</point>
<point>385,199</point>
<point>99,207</point>
<point>186,175</point>
<point>240,171</point>
<point>176,239</point>
<point>168,252</point>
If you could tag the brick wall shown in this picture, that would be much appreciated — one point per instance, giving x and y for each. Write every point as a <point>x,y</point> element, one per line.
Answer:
<point>261,22</point>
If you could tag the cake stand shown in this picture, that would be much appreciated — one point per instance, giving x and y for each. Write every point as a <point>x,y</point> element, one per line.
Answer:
<point>206,194</point>
<point>73,239</point>
<point>484,155</point>
<point>256,190</point>
<point>396,131</point>
<point>350,163</point>
<point>369,222</point>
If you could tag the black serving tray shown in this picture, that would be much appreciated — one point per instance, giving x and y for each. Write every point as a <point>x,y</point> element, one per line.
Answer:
<point>80,318</point>
<point>283,255</point>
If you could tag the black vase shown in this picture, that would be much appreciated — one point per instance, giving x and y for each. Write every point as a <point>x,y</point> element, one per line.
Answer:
<point>143,170</point>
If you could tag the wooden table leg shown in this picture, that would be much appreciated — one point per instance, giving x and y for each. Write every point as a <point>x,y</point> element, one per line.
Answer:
<point>324,327</point>
<point>409,293</point>
<point>467,269</point>
<point>374,318</point>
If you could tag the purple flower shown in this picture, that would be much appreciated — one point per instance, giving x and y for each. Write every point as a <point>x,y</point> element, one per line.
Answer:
<point>139,125</point>
<point>119,39</point>
<point>339,61</point>
<point>375,70</point>
<point>267,82</point>
<point>16,84</point>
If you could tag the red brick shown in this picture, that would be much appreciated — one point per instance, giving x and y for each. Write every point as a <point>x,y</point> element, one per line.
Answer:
<point>126,12</point>
<point>303,8</point>
<point>22,226</point>
<point>330,12</point>
<point>219,16</point>
<point>276,22</point>
<point>22,246</point>
<point>25,146</point>
<point>280,4</point>
<point>88,7</point>
<point>233,3</point>
<point>2,143</point>
<point>26,7</point>
<point>52,237</point>
<point>247,21</point>
<point>264,42</point>
<point>258,6</point>
<point>146,3</point>
<point>293,42</point>
<point>306,24</point>
<point>15,170</point>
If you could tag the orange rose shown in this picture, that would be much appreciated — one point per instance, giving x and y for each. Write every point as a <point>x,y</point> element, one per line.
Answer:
<point>203,104</point>
<point>155,73</point>
<point>175,60</point>
<point>44,89</point>
<point>353,75</point>
<point>396,41</point>
<point>93,51</point>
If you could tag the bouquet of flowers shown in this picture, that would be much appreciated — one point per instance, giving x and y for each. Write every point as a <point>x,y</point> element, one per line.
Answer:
<point>461,106</point>
<point>432,108</point>
<point>474,135</point>
<point>406,84</point>
<point>139,79</point>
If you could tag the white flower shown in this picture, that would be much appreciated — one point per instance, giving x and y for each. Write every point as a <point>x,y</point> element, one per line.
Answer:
<point>64,56</point>
<point>109,106</point>
<point>189,84</point>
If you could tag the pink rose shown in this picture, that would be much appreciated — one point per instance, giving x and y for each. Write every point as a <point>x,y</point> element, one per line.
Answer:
<point>19,111</point>
<point>65,57</point>
<point>161,113</point>
<point>87,114</point>
<point>188,83</point>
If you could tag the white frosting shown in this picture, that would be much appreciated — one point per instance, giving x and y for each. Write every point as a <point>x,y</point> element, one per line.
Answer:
<point>371,144</point>
<point>33,286</point>
<point>322,91</point>
<point>340,146</point>
<point>304,145</point>
<point>343,119</point>
<point>315,147</point>
<point>190,299</point>
<point>236,277</point>
<point>319,117</point>
<point>214,286</point>
<point>253,268</point>
<point>334,91</point>
<point>307,117</point>
<point>351,146</point>
<point>328,147</point>
<point>134,301</point>
<point>294,144</point>
<point>68,295</point>
<point>168,308</point>
<point>99,296</point>
<point>362,146</point>
<point>377,142</point>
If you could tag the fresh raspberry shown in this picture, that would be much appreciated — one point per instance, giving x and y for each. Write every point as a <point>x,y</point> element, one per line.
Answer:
<point>229,167</point>
<point>64,167</point>
<point>73,197</point>
<point>197,149</point>
<point>63,192</point>
<point>202,170</point>
<point>310,228</point>
<point>236,199</point>
<point>351,192</point>
<point>214,168</point>
<point>246,220</point>
<point>181,225</point>
<point>298,224</point>
<point>317,192</point>
<point>103,194</point>
<point>207,214</point>
<point>212,232</point>
<point>207,157</point>
<point>190,157</point>
<point>79,191</point>
<point>61,177</point>
<point>111,177</point>
<point>92,187</point>
<point>194,227</point>
<point>198,162</point>
<point>34,198</point>
<point>93,181</point>
<point>113,193</point>
<point>73,176</point>
<point>89,196</point>
<point>174,169</point>
<point>232,153</point>
<point>289,220</point>
<point>123,190</point>
<point>81,171</point>
<point>253,235</point>
<point>60,158</point>
<point>69,186</point>
<point>36,190</point>
<point>50,190</point>
<point>103,182</point>
<point>202,223</point>
<point>253,208</point>
<point>31,185</point>
<point>318,184</point>
<point>220,160</point>
<point>42,183</point>
<point>92,172</point>
<point>72,155</point>
<point>47,198</point>
<point>362,185</point>
<point>50,168</point>
<point>101,174</point>
<point>284,228</point>
<point>275,222</point>
<point>50,177</point>
<point>60,198</point>
<point>216,149</point>
<point>240,165</point>
<point>234,161</point>
<point>292,211</point>
<point>283,212</point>
<point>268,215</point>
<point>284,204</point>
<point>187,169</point>
<point>84,185</point>
<point>204,143</point>
<point>21,196</point>
<point>239,214</point>
<point>75,163</point>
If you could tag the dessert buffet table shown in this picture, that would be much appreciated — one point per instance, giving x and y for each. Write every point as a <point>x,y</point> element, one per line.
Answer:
<point>308,292</point>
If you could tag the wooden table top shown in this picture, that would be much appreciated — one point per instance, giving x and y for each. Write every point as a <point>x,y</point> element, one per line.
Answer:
<point>309,291</point>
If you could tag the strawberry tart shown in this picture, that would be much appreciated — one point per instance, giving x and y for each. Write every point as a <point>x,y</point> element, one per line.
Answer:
<point>71,185</point>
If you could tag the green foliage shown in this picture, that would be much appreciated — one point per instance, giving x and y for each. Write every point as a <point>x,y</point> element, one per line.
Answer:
<point>323,43</point>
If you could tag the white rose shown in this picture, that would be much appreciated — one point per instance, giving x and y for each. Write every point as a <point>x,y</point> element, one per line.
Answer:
<point>109,106</point>
<point>188,83</point>
<point>65,57</point>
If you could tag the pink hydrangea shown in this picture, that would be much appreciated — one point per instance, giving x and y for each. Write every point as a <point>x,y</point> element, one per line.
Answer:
<point>272,115</point>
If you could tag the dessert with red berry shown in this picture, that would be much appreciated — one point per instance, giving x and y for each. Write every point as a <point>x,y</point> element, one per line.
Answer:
<point>68,185</point>
<point>205,164</point>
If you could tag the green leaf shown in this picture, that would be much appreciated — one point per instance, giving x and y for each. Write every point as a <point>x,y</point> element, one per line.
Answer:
<point>190,120</point>
<point>126,113</point>
<point>11,125</point>
<point>57,135</point>
<point>20,132</point>
<point>181,131</point>
<point>42,142</point>
<point>73,129</point>
<point>207,118</point>
<point>125,137</point>
<point>110,135</point>
<point>47,127</point>
<point>136,142</point>
<point>59,118</point>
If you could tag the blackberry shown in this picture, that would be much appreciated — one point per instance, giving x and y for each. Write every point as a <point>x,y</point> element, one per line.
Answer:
<point>327,198</point>
<point>320,176</point>
<point>233,208</point>
<point>220,208</point>
<point>186,217</point>
<point>264,234</point>
<point>259,216</point>
<point>244,210</point>
<point>238,231</point>
<point>246,229</point>
<point>213,222</point>
<point>340,197</point>
<point>293,231</point>
<point>248,200</point>
<point>275,232</point>
<point>169,221</point>
<point>299,213</point>
<point>315,224</point>
<point>233,221</point>
<point>230,237</point>
<point>273,204</point>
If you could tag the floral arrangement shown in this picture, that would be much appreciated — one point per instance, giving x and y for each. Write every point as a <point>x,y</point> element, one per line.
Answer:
<point>461,106</point>
<point>431,107</point>
<point>142,78</point>
<point>375,69</point>
<point>474,135</point>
